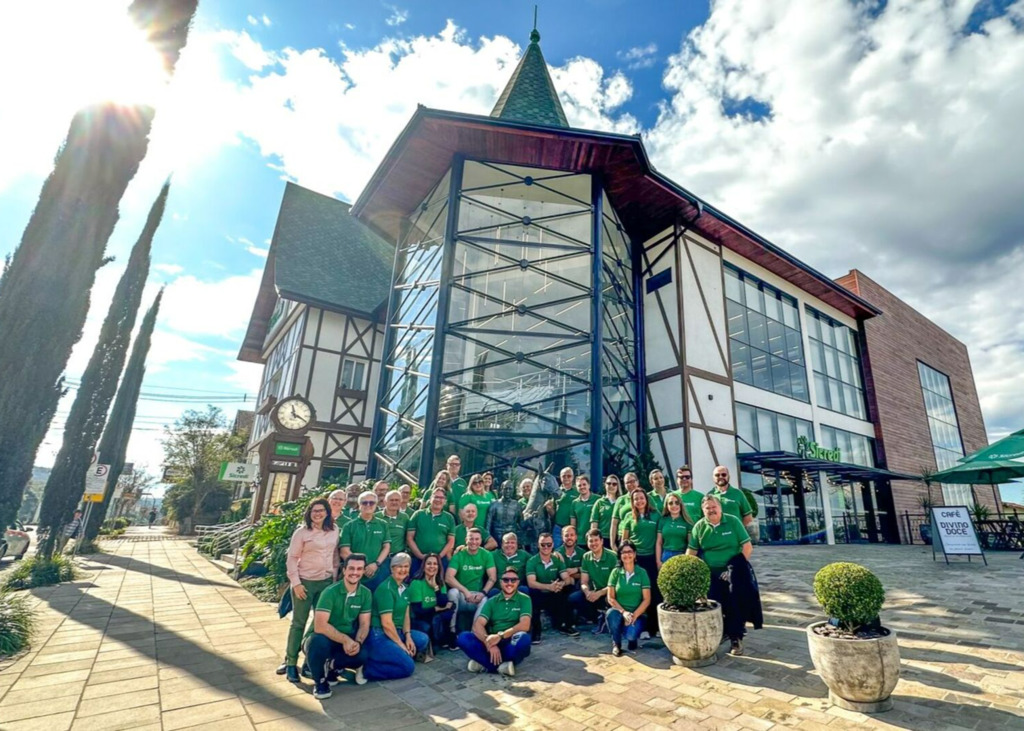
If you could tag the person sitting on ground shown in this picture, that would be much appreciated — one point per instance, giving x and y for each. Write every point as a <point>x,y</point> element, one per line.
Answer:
<point>478,496</point>
<point>501,632</point>
<point>393,641</point>
<point>592,596</point>
<point>604,506</point>
<point>311,564</point>
<point>468,520</point>
<point>341,625</point>
<point>431,530</point>
<point>510,554</point>
<point>397,521</point>
<point>367,534</point>
<point>629,595</point>
<point>549,586</point>
<point>429,605</point>
<point>722,537</point>
<point>470,575</point>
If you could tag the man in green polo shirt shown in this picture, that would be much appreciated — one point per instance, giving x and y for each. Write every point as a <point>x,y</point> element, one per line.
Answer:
<point>431,530</point>
<point>398,522</point>
<point>501,632</point>
<point>470,576</point>
<point>591,599</point>
<point>687,494</point>
<point>341,624</point>
<point>549,588</point>
<point>459,484</point>
<point>367,534</point>
<point>510,554</point>
<point>583,505</point>
<point>733,501</point>
<point>563,505</point>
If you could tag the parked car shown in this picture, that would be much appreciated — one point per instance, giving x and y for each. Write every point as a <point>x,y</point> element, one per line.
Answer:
<point>15,542</point>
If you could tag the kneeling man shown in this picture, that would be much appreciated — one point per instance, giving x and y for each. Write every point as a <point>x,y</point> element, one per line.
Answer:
<point>501,633</point>
<point>340,626</point>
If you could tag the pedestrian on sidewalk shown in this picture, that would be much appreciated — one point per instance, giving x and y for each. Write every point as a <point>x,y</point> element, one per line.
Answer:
<point>311,566</point>
<point>152,517</point>
<point>71,530</point>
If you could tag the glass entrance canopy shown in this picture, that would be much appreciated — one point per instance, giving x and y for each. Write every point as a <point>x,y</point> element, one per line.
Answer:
<point>512,328</point>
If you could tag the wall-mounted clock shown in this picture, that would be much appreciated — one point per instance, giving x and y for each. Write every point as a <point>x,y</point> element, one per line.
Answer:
<point>293,415</point>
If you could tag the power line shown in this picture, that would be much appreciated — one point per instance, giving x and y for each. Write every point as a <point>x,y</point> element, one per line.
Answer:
<point>77,380</point>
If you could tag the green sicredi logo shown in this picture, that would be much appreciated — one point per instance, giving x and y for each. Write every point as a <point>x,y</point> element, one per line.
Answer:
<point>812,450</point>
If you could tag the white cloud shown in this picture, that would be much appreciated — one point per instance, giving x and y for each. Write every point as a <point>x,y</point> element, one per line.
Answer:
<point>350,26</point>
<point>253,20</point>
<point>266,21</point>
<point>397,16</point>
<point>220,308</point>
<point>169,269</point>
<point>245,49</point>
<point>253,248</point>
<point>640,57</point>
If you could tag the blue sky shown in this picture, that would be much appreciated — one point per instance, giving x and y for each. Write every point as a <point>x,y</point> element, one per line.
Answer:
<point>876,135</point>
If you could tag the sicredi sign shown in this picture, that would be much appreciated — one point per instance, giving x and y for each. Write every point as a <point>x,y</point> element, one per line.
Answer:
<point>954,528</point>
<point>812,450</point>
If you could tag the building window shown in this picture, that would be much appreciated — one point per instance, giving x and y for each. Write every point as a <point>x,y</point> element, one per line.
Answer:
<point>945,429</point>
<point>335,473</point>
<point>765,344</point>
<point>835,359</point>
<point>353,374</point>
<point>760,430</point>
<point>853,448</point>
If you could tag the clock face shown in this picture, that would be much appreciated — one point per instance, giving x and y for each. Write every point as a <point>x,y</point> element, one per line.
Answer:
<point>294,414</point>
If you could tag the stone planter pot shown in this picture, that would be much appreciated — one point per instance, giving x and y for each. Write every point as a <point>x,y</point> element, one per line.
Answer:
<point>860,674</point>
<point>692,637</point>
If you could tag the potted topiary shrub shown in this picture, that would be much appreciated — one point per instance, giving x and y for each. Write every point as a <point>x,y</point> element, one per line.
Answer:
<point>690,624</point>
<point>855,656</point>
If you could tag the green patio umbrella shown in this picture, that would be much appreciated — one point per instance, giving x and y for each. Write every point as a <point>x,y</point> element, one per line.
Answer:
<point>1009,447</point>
<point>981,472</point>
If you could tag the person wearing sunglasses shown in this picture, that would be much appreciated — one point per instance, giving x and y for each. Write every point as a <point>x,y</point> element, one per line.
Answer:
<point>690,498</point>
<point>367,534</point>
<point>500,638</point>
<point>601,511</point>
<point>480,497</point>
<point>549,588</point>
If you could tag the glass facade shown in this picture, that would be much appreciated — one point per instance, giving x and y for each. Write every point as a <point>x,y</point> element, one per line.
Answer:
<point>857,513</point>
<point>945,430</point>
<point>765,344</point>
<point>835,360</point>
<point>520,297</point>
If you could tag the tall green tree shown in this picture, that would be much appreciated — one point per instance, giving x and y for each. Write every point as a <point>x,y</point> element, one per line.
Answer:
<point>118,430</point>
<point>44,291</point>
<point>99,384</point>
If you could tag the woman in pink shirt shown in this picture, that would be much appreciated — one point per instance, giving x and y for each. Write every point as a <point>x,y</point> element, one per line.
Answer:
<point>312,563</point>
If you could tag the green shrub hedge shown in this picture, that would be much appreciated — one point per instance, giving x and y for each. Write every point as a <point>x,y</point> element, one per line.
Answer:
<point>16,623</point>
<point>683,581</point>
<point>849,593</point>
<point>39,571</point>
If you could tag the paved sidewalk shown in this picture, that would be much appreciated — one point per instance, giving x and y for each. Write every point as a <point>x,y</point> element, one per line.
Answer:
<point>157,637</point>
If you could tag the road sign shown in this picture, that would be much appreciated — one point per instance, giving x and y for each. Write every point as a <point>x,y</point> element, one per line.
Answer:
<point>172,474</point>
<point>96,483</point>
<point>237,471</point>
<point>128,469</point>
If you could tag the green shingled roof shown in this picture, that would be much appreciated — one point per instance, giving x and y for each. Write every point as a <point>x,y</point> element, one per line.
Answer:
<point>530,95</point>
<point>324,256</point>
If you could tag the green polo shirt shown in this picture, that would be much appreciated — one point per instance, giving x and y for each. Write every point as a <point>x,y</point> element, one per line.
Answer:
<point>431,531</point>
<point>734,502</point>
<point>517,561</point>
<point>420,592</point>
<point>643,532</point>
<point>457,490</point>
<point>629,589</point>
<point>482,502</point>
<point>622,508</point>
<point>691,501</point>
<point>674,532</point>
<point>389,598</point>
<point>503,614</point>
<point>581,511</point>
<point>471,568</point>
<point>719,542</point>
<point>598,570</point>
<point>396,530</point>
<point>574,561</point>
<point>601,513</point>
<point>563,508</point>
<point>545,574</point>
<point>365,536</point>
<point>657,502</point>
<point>345,608</point>
<point>347,514</point>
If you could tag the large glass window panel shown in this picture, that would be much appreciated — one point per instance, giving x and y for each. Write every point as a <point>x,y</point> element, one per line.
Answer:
<point>746,428</point>
<point>836,365</point>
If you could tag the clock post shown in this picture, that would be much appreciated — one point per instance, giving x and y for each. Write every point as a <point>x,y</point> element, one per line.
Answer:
<point>285,454</point>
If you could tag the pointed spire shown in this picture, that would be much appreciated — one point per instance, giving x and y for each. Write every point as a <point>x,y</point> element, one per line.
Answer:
<point>530,94</point>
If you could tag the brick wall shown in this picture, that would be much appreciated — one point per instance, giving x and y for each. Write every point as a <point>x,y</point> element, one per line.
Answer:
<point>895,341</point>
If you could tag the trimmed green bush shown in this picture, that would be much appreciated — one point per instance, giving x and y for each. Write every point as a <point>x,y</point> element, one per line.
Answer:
<point>849,593</point>
<point>40,571</point>
<point>684,580</point>
<point>16,623</point>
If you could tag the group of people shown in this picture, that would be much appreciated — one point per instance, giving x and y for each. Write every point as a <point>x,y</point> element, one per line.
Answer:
<point>390,582</point>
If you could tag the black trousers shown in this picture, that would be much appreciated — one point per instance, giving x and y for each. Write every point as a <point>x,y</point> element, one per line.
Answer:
<point>556,604</point>
<point>650,565</point>
<point>732,613</point>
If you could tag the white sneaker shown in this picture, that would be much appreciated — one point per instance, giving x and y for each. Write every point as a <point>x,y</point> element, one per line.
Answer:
<point>507,668</point>
<point>474,667</point>
<point>645,635</point>
<point>360,678</point>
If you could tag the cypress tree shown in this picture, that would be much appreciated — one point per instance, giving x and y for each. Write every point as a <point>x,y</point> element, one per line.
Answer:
<point>44,291</point>
<point>114,444</point>
<point>99,384</point>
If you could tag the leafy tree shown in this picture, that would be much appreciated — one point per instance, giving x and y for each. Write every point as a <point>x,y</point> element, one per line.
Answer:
<point>44,288</point>
<point>195,449</point>
<point>99,384</point>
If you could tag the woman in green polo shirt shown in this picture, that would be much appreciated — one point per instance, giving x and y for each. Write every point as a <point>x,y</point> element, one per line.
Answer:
<point>393,642</point>
<point>673,529</point>
<point>480,497</point>
<point>601,512</point>
<point>428,602</point>
<point>629,596</point>
<point>641,527</point>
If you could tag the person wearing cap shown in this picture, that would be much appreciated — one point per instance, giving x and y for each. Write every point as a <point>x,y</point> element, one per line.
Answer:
<point>367,534</point>
<point>500,639</point>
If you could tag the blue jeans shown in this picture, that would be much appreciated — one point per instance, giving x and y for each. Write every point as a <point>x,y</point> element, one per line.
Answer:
<point>382,575</point>
<point>667,554</point>
<point>556,533</point>
<point>617,626</point>
<point>321,648</point>
<point>584,609</point>
<point>438,629</point>
<point>387,660</point>
<point>514,650</point>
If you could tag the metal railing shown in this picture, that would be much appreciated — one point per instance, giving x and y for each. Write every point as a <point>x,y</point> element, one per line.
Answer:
<point>1001,533</point>
<point>206,530</point>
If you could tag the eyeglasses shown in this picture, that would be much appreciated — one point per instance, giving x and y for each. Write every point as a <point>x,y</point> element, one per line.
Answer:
<point>509,579</point>
<point>367,502</point>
